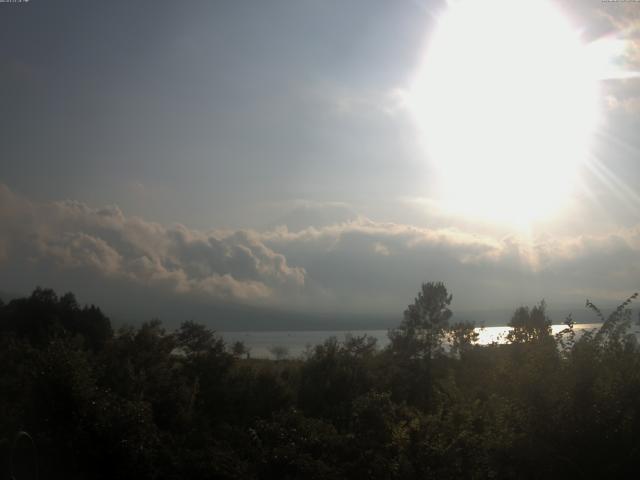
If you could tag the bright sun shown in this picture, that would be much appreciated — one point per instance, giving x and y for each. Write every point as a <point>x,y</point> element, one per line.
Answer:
<point>507,102</point>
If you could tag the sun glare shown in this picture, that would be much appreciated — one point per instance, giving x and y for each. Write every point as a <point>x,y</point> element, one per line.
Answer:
<point>507,100</point>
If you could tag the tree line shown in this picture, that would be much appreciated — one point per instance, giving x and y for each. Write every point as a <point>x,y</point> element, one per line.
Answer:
<point>80,400</point>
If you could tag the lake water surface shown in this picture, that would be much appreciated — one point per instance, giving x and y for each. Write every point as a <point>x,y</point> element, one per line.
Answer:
<point>296,342</point>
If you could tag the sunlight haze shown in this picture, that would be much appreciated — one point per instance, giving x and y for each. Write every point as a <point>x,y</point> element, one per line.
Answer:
<point>319,160</point>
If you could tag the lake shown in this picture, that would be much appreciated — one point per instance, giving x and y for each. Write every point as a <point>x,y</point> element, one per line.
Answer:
<point>296,342</point>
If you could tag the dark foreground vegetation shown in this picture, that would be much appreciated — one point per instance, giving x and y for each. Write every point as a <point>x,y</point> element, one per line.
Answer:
<point>145,403</point>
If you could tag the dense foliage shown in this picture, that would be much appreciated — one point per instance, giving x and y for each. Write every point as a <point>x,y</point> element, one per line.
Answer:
<point>142,402</point>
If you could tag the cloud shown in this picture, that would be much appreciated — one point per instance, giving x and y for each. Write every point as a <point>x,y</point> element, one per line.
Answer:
<point>352,265</point>
<point>69,235</point>
<point>618,49</point>
<point>629,104</point>
<point>379,265</point>
<point>302,214</point>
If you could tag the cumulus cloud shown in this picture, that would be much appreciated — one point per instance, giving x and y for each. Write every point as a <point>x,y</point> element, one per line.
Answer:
<point>71,235</point>
<point>382,263</point>
<point>351,265</point>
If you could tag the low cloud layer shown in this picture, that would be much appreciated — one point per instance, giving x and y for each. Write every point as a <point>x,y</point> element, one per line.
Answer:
<point>351,266</point>
<point>69,236</point>
<point>380,263</point>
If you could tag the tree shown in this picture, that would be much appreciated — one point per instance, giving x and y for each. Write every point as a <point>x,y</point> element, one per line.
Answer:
<point>239,349</point>
<point>335,374</point>
<point>530,325</point>
<point>279,352</point>
<point>196,339</point>
<point>422,330</point>
<point>462,336</point>
<point>44,316</point>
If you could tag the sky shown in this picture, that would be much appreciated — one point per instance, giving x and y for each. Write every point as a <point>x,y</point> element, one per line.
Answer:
<point>249,161</point>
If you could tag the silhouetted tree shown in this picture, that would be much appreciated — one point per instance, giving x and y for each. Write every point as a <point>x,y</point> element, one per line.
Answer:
<point>462,336</point>
<point>195,339</point>
<point>150,403</point>
<point>239,349</point>
<point>334,375</point>
<point>530,325</point>
<point>279,352</point>
<point>422,330</point>
<point>43,316</point>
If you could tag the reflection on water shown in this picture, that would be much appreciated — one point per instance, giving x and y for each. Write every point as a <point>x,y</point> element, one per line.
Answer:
<point>296,342</point>
<point>489,335</point>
